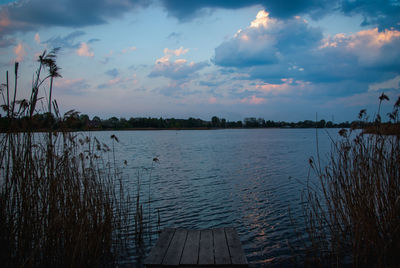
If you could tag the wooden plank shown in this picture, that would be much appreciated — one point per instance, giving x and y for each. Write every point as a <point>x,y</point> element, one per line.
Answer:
<point>221,251</point>
<point>174,252</point>
<point>235,247</point>
<point>190,255</point>
<point>157,254</point>
<point>206,251</point>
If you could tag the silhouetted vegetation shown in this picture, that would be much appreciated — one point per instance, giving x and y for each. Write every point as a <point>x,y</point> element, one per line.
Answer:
<point>62,199</point>
<point>74,121</point>
<point>353,213</point>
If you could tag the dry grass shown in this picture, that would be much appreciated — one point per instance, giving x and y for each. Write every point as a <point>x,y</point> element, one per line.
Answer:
<point>353,213</point>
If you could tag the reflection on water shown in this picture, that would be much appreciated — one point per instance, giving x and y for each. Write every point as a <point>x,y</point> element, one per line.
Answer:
<point>215,178</point>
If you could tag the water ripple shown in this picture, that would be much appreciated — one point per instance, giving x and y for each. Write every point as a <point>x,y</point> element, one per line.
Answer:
<point>241,178</point>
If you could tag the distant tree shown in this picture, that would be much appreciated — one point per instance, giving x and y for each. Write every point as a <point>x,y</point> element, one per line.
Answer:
<point>269,123</point>
<point>114,121</point>
<point>123,123</point>
<point>84,118</point>
<point>250,122</point>
<point>215,122</point>
<point>321,124</point>
<point>96,122</point>
<point>261,122</point>
<point>96,119</point>
<point>223,123</point>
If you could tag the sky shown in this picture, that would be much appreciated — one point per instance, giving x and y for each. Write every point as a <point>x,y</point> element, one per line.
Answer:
<point>280,60</point>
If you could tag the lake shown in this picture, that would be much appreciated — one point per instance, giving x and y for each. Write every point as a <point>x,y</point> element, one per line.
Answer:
<point>245,178</point>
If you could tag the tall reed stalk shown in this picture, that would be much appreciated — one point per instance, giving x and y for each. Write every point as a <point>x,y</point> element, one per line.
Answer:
<point>353,214</point>
<point>59,206</point>
<point>62,204</point>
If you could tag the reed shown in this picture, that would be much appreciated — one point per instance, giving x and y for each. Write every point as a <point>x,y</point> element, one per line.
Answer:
<point>352,214</point>
<point>63,202</point>
<point>59,204</point>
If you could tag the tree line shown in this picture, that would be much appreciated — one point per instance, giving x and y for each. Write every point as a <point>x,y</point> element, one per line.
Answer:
<point>75,121</point>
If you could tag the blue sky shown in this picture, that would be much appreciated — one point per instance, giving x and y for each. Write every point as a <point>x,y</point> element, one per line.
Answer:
<point>280,60</point>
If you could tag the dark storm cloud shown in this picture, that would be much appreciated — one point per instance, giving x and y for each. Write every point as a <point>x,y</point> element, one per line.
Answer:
<point>186,10</point>
<point>381,13</point>
<point>28,15</point>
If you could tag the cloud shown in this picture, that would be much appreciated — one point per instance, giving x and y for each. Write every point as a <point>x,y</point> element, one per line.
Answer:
<point>367,56</point>
<point>265,41</point>
<point>174,35</point>
<point>271,50</point>
<point>129,49</point>
<point>31,15</point>
<point>177,52</point>
<point>212,100</point>
<point>107,57</point>
<point>178,89</point>
<point>6,42</point>
<point>179,69</point>
<point>77,86</point>
<point>19,52</point>
<point>168,53</point>
<point>84,50</point>
<point>253,100</point>
<point>180,72</point>
<point>119,81</point>
<point>93,40</point>
<point>371,38</point>
<point>381,13</point>
<point>187,10</point>
<point>110,83</point>
<point>113,72</point>
<point>37,38</point>
<point>393,83</point>
<point>4,20</point>
<point>67,41</point>
<point>275,88</point>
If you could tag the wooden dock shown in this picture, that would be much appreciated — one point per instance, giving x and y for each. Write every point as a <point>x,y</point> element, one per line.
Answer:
<point>204,248</point>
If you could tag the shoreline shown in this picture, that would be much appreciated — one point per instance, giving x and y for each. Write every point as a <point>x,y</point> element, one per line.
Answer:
<point>155,129</point>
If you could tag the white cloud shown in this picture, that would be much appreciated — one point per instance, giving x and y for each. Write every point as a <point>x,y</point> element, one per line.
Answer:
<point>37,38</point>
<point>262,20</point>
<point>393,83</point>
<point>177,52</point>
<point>84,50</point>
<point>19,52</point>
<point>129,49</point>
<point>168,53</point>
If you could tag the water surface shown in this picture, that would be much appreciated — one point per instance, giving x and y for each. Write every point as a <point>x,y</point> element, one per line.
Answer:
<point>245,178</point>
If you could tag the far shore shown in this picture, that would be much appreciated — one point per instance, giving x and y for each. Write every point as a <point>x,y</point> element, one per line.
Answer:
<point>150,129</point>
